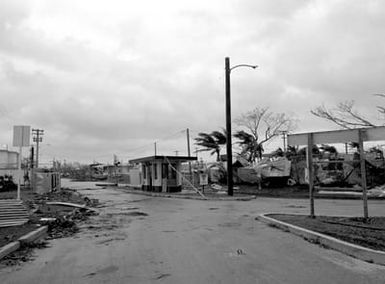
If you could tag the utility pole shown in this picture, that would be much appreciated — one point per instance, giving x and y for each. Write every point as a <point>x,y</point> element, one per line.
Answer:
<point>31,158</point>
<point>155,147</point>
<point>38,133</point>
<point>176,152</point>
<point>228,130</point>
<point>188,150</point>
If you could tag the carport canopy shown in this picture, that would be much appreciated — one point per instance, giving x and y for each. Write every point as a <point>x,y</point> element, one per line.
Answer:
<point>358,135</point>
<point>338,136</point>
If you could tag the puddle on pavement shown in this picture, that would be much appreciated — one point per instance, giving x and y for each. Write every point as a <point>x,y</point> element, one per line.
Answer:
<point>295,206</point>
<point>229,224</point>
<point>106,270</point>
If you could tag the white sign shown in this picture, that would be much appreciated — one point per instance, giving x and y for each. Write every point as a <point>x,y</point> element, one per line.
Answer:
<point>203,179</point>
<point>21,135</point>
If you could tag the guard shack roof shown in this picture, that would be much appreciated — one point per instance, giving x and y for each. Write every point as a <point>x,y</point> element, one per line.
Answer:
<point>163,158</point>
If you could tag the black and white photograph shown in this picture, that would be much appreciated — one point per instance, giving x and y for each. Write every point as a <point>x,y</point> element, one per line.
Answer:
<point>181,141</point>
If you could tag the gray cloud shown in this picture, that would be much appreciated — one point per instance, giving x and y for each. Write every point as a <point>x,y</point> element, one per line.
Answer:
<point>109,79</point>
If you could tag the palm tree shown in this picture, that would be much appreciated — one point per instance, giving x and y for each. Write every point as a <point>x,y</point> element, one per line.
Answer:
<point>211,142</point>
<point>250,146</point>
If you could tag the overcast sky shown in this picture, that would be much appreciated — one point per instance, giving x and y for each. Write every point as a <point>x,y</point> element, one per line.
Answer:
<point>112,77</point>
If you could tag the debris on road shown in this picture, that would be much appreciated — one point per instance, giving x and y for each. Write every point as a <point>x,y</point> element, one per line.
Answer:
<point>24,254</point>
<point>60,211</point>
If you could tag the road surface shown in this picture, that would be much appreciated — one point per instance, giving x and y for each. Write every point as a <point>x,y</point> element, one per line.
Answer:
<point>141,239</point>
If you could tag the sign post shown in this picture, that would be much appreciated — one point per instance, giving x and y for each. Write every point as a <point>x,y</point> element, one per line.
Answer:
<point>203,180</point>
<point>21,138</point>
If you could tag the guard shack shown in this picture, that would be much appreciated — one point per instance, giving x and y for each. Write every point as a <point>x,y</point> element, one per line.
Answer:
<point>162,173</point>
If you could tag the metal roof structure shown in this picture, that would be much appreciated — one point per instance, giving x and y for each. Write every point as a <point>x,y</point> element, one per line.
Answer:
<point>163,158</point>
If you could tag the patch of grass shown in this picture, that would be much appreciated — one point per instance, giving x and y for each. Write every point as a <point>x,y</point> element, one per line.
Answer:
<point>368,233</point>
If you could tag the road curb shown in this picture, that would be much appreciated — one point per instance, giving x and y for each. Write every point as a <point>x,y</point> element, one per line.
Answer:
<point>366,254</point>
<point>154,194</point>
<point>8,248</point>
<point>33,236</point>
<point>26,239</point>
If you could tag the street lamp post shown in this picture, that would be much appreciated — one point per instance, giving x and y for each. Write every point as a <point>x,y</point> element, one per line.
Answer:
<point>230,182</point>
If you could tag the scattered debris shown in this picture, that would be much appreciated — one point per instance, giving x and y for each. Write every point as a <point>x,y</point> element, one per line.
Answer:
<point>24,254</point>
<point>378,191</point>
<point>10,234</point>
<point>61,228</point>
<point>216,187</point>
<point>60,211</point>
<point>238,253</point>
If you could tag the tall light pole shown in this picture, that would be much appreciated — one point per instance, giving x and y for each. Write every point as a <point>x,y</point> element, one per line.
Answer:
<point>230,182</point>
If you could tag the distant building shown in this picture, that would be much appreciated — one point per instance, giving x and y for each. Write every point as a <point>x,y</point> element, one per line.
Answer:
<point>8,162</point>
<point>162,173</point>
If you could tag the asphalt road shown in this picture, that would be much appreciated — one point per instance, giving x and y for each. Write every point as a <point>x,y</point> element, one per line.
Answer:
<point>141,239</point>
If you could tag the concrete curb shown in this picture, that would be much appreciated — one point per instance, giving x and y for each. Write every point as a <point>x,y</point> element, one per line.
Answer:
<point>34,235</point>
<point>8,248</point>
<point>26,239</point>
<point>154,194</point>
<point>366,254</point>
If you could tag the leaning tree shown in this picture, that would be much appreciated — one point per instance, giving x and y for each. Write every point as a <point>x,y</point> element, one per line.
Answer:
<point>211,142</point>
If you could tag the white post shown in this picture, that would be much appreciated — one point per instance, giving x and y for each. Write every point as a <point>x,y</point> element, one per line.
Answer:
<point>363,173</point>
<point>20,172</point>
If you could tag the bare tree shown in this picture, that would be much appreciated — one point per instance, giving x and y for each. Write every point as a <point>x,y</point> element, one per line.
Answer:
<point>345,116</point>
<point>259,126</point>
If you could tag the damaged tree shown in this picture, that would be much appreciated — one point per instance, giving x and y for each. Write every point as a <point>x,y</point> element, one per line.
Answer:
<point>345,116</point>
<point>259,126</point>
<point>211,142</point>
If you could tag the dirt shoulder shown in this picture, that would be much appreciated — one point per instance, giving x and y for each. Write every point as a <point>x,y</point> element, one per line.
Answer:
<point>368,233</point>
